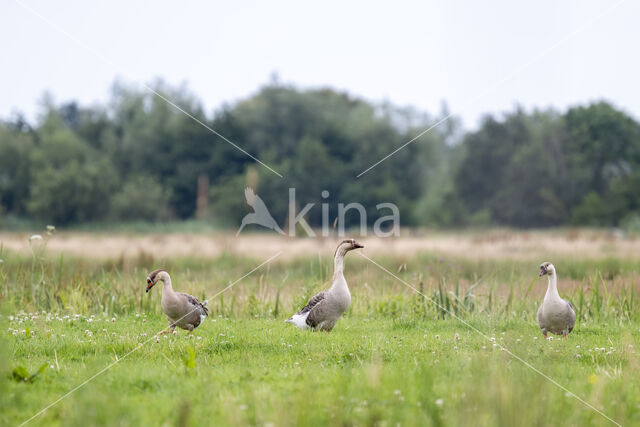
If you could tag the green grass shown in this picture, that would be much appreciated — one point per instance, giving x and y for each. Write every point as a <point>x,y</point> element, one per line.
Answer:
<point>393,359</point>
<point>368,370</point>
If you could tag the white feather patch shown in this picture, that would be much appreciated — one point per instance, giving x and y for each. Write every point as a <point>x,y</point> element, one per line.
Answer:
<point>300,320</point>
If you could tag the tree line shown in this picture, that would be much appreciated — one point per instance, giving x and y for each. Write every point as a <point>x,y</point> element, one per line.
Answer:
<point>137,158</point>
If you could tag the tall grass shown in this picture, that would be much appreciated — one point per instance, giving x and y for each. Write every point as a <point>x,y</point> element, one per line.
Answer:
<point>599,289</point>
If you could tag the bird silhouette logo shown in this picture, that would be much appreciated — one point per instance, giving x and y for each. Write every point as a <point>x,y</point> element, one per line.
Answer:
<point>260,216</point>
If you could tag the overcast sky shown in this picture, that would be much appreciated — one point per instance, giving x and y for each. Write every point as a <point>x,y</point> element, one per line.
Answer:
<point>479,57</point>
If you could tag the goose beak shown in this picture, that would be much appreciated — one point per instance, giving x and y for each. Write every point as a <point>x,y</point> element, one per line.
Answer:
<point>357,245</point>
<point>543,271</point>
<point>149,285</point>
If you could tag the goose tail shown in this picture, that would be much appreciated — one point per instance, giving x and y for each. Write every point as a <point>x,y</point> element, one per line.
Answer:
<point>300,320</point>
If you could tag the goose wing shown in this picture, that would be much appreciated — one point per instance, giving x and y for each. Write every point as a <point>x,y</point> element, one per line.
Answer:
<point>315,300</point>
<point>571,316</point>
<point>195,305</point>
<point>316,308</point>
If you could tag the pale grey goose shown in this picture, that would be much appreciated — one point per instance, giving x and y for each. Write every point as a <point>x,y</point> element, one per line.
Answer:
<point>555,315</point>
<point>324,309</point>
<point>182,310</point>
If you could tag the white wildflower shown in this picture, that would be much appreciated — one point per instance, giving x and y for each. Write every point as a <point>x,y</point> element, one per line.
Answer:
<point>35,237</point>
<point>439,402</point>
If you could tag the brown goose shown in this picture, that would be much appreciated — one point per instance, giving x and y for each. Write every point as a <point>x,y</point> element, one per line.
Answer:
<point>182,310</point>
<point>555,315</point>
<point>323,310</point>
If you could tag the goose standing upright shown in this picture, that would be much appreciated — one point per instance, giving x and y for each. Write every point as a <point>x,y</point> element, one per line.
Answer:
<point>182,309</point>
<point>324,309</point>
<point>555,315</point>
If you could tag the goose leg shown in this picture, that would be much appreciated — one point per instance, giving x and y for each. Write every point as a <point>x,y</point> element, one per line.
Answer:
<point>172,327</point>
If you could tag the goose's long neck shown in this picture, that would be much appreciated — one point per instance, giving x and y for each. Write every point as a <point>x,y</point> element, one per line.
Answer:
<point>167,289</point>
<point>338,263</point>
<point>552,287</point>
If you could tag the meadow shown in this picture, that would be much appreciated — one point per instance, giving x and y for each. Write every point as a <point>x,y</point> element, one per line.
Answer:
<point>460,348</point>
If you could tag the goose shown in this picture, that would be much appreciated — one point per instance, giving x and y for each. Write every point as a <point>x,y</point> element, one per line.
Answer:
<point>324,309</point>
<point>555,315</point>
<point>182,310</point>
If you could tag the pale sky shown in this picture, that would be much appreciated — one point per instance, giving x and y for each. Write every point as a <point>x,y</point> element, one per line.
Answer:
<point>409,53</point>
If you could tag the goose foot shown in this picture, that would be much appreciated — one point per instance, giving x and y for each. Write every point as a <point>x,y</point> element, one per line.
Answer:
<point>170,330</point>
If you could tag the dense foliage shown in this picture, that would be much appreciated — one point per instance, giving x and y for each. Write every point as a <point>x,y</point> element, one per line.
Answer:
<point>139,159</point>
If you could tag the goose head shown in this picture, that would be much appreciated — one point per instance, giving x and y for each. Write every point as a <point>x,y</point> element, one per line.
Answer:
<point>155,277</point>
<point>348,245</point>
<point>547,268</point>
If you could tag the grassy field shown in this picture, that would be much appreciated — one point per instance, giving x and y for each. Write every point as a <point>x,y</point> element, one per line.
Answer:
<point>397,357</point>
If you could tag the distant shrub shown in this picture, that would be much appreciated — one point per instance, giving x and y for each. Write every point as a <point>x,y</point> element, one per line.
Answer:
<point>140,199</point>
